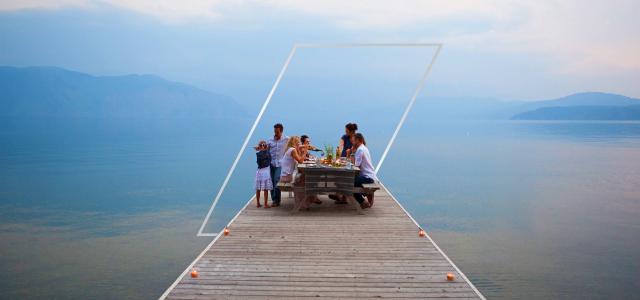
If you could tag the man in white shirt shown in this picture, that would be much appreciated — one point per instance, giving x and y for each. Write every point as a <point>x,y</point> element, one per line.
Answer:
<point>363,161</point>
<point>277,146</point>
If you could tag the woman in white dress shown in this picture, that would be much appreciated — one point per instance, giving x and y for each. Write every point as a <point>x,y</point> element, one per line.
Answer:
<point>295,153</point>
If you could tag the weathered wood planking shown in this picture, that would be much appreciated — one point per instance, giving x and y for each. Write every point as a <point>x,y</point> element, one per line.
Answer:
<point>327,252</point>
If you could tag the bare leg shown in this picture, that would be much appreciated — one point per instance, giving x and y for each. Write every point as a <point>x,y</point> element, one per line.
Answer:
<point>258,198</point>
<point>266,199</point>
<point>341,199</point>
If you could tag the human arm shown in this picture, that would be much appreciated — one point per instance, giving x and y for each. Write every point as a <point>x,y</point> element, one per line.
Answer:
<point>358,158</point>
<point>298,154</point>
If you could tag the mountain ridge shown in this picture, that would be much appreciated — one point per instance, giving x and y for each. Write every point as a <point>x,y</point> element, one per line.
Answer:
<point>57,92</point>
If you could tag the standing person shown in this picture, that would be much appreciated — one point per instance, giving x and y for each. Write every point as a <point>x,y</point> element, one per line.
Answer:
<point>345,146</point>
<point>263,181</point>
<point>363,161</point>
<point>277,147</point>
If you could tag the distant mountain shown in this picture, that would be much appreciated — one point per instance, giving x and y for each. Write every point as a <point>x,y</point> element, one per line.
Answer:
<point>582,106</point>
<point>56,92</point>
<point>477,108</point>
<point>585,104</point>
<point>582,112</point>
<point>588,98</point>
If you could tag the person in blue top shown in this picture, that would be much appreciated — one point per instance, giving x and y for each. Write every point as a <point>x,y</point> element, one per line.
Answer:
<point>346,147</point>
<point>263,181</point>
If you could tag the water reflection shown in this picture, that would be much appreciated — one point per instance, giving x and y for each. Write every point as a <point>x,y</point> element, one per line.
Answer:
<point>526,209</point>
<point>529,212</point>
<point>93,255</point>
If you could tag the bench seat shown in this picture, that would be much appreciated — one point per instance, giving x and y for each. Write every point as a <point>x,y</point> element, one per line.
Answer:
<point>367,188</point>
<point>285,186</point>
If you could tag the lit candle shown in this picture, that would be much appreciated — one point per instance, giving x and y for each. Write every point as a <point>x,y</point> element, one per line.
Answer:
<point>450,277</point>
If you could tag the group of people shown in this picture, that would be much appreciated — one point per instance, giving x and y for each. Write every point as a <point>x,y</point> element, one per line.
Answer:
<point>277,158</point>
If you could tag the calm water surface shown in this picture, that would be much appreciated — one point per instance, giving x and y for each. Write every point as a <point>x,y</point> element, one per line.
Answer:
<point>526,209</point>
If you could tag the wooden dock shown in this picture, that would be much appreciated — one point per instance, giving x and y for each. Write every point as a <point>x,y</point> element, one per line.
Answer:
<point>327,252</point>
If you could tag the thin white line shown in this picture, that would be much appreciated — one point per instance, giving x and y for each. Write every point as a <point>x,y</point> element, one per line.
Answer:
<point>421,84</point>
<point>186,271</point>
<point>356,45</point>
<point>434,244</point>
<point>246,141</point>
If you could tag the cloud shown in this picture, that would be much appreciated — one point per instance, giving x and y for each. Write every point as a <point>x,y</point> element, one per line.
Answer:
<point>171,10</point>
<point>584,37</point>
<point>10,5</point>
<point>165,10</point>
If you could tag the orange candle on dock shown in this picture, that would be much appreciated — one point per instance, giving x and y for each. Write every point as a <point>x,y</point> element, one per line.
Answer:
<point>194,273</point>
<point>226,231</point>
<point>450,277</point>
<point>421,233</point>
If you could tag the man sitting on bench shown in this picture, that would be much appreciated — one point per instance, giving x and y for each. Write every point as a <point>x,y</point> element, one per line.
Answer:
<point>363,161</point>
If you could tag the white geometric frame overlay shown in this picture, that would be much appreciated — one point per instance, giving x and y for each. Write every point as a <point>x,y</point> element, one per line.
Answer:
<point>417,91</point>
<point>393,137</point>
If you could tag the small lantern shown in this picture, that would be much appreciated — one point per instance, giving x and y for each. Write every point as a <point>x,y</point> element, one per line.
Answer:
<point>194,273</point>
<point>421,233</point>
<point>450,277</point>
<point>226,231</point>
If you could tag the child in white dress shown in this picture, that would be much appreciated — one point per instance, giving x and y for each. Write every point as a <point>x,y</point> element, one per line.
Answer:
<point>263,175</point>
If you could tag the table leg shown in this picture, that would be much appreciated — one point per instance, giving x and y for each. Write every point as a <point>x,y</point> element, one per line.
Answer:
<point>299,199</point>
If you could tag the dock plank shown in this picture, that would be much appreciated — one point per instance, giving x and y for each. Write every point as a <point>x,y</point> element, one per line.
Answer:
<point>326,252</point>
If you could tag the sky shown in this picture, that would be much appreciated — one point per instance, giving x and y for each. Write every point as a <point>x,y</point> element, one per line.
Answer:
<point>509,50</point>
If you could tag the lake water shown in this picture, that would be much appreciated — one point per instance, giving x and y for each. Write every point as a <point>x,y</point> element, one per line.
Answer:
<point>525,209</point>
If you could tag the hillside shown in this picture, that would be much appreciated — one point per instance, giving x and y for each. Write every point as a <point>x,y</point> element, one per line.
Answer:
<point>582,112</point>
<point>580,106</point>
<point>56,92</point>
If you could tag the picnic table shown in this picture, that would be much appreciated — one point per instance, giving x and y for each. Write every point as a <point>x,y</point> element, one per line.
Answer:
<point>320,179</point>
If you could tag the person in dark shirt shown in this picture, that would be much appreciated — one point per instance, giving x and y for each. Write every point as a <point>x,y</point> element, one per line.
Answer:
<point>346,147</point>
<point>263,175</point>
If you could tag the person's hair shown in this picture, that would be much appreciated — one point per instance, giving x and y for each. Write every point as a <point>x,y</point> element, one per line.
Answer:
<point>260,143</point>
<point>352,127</point>
<point>360,137</point>
<point>278,125</point>
<point>294,141</point>
<point>303,138</point>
